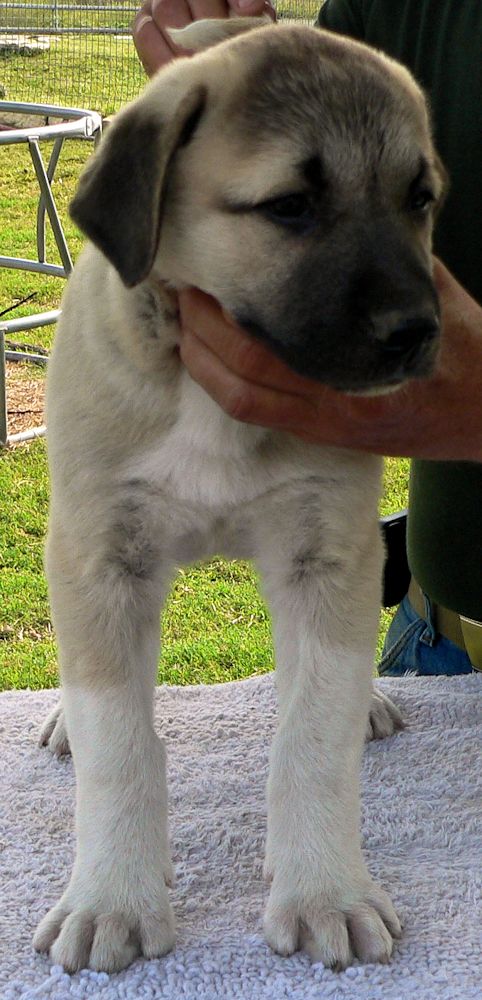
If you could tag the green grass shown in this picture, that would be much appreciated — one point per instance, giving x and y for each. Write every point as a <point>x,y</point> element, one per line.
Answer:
<point>97,72</point>
<point>82,70</point>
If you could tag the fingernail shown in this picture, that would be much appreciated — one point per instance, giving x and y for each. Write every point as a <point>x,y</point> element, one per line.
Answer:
<point>145,19</point>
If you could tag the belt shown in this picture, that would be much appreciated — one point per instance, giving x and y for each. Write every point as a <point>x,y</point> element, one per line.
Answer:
<point>466,633</point>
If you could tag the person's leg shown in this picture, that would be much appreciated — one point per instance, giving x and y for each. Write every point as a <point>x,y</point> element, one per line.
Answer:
<point>413,645</point>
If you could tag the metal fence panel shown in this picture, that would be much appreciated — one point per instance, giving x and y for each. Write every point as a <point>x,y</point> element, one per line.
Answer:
<point>69,53</point>
<point>80,53</point>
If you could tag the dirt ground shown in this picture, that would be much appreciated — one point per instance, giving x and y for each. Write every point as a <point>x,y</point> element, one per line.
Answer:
<point>25,397</point>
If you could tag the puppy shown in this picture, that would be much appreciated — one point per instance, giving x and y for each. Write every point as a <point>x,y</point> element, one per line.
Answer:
<point>290,174</point>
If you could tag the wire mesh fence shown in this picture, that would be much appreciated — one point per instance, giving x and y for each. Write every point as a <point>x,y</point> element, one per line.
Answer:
<point>81,53</point>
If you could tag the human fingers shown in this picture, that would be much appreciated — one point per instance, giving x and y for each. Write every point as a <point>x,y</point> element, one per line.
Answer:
<point>250,384</point>
<point>152,40</point>
<point>445,282</point>
<point>177,13</point>
<point>242,400</point>
<point>454,298</point>
<point>240,353</point>
<point>325,417</point>
<point>253,8</point>
<point>238,372</point>
<point>207,8</point>
<point>152,46</point>
<point>461,319</point>
<point>153,43</point>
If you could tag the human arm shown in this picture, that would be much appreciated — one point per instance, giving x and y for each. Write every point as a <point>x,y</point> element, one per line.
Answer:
<point>435,418</point>
<point>154,46</point>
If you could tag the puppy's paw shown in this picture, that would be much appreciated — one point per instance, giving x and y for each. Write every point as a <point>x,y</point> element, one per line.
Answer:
<point>384,718</point>
<point>90,934</point>
<point>53,733</point>
<point>332,932</point>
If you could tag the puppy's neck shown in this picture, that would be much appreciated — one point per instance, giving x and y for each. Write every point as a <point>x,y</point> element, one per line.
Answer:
<point>167,298</point>
<point>146,324</point>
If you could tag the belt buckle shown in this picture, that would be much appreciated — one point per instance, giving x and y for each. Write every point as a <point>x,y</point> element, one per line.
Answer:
<point>472,633</point>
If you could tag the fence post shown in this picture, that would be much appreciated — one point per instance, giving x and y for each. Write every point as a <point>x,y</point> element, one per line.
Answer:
<point>3,392</point>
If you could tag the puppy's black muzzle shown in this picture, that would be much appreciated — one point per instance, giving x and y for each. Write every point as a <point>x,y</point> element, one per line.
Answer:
<point>408,344</point>
<point>410,336</point>
<point>359,318</point>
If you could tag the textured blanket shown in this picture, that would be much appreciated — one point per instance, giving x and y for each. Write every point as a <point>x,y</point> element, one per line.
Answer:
<point>421,810</point>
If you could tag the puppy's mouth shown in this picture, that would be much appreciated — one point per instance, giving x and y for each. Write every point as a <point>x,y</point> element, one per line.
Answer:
<point>417,362</point>
<point>360,364</point>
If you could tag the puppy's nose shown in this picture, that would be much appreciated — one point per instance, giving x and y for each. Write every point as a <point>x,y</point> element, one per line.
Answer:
<point>400,336</point>
<point>410,335</point>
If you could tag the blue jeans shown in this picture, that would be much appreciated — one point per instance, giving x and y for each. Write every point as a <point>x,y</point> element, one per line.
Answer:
<point>413,646</point>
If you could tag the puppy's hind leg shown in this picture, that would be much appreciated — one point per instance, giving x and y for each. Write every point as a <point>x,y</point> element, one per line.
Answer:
<point>384,718</point>
<point>53,733</point>
<point>116,905</point>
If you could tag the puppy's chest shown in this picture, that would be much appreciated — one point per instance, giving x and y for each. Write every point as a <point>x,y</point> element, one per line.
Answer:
<point>206,457</point>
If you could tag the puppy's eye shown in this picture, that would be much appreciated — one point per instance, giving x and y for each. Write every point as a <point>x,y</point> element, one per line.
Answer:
<point>292,210</point>
<point>421,200</point>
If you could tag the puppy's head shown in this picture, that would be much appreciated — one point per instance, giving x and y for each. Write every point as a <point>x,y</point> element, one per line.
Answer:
<point>291,174</point>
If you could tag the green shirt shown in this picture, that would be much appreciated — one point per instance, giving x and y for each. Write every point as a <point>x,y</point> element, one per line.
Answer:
<point>441,43</point>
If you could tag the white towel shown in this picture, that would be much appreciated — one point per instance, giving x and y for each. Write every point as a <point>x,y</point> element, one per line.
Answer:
<point>421,807</point>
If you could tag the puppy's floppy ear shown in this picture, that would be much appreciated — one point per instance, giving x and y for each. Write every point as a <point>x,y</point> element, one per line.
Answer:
<point>118,204</point>
<point>209,31</point>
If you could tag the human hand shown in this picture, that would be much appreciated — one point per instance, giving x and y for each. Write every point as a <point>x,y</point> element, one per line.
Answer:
<point>434,418</point>
<point>154,46</point>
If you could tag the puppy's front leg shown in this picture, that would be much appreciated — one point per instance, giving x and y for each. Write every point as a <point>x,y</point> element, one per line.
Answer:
<point>116,905</point>
<point>324,602</point>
